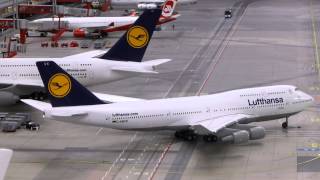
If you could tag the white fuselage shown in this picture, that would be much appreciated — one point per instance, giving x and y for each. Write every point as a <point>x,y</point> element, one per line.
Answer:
<point>263,103</point>
<point>136,2</point>
<point>88,71</point>
<point>90,22</point>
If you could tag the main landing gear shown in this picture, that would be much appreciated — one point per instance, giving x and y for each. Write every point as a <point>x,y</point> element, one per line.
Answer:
<point>38,96</point>
<point>285,124</point>
<point>187,135</point>
<point>190,135</point>
<point>210,138</point>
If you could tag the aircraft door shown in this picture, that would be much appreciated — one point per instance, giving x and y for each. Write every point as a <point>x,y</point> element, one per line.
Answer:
<point>14,75</point>
<point>108,118</point>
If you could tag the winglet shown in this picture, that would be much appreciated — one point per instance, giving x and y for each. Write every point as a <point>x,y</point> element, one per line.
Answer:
<point>63,89</point>
<point>5,156</point>
<point>133,44</point>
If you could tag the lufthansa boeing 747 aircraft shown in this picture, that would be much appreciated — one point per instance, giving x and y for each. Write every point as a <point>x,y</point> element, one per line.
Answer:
<point>19,77</point>
<point>218,117</point>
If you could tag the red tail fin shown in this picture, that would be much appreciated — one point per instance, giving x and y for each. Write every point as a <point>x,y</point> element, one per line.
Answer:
<point>168,8</point>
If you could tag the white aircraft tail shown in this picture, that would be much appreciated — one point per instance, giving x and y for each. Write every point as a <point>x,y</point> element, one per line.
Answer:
<point>5,156</point>
<point>168,8</point>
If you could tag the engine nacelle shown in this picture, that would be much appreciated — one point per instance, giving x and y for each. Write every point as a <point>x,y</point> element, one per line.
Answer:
<point>147,6</point>
<point>255,132</point>
<point>233,136</point>
<point>7,98</point>
<point>80,33</point>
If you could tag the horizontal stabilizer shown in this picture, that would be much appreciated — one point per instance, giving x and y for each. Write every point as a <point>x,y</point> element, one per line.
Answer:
<point>108,98</point>
<point>41,106</point>
<point>156,62</point>
<point>88,54</point>
<point>134,70</point>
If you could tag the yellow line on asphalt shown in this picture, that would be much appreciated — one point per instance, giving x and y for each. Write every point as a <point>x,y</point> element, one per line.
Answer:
<point>308,161</point>
<point>315,38</point>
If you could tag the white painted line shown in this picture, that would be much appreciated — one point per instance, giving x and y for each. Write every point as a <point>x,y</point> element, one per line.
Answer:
<point>116,161</point>
<point>99,131</point>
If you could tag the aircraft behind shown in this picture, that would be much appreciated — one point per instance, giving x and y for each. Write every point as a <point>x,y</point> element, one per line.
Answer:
<point>91,26</point>
<point>19,77</point>
<point>217,117</point>
<point>147,4</point>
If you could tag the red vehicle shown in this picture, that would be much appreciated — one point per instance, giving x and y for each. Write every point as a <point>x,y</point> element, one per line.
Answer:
<point>74,44</point>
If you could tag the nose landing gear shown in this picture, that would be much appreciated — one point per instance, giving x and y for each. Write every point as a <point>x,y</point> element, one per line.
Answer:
<point>285,124</point>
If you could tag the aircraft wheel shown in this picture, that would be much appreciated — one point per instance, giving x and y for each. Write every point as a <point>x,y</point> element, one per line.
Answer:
<point>190,137</point>
<point>210,138</point>
<point>178,134</point>
<point>284,125</point>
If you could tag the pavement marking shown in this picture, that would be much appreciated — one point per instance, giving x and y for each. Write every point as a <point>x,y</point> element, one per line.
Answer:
<point>315,38</point>
<point>220,52</point>
<point>163,155</point>
<point>116,161</point>
<point>99,131</point>
<point>313,159</point>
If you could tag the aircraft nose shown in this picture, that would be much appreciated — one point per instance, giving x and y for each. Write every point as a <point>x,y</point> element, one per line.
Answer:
<point>308,98</point>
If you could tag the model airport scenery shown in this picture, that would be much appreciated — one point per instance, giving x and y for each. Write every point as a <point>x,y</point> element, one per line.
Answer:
<point>159,89</point>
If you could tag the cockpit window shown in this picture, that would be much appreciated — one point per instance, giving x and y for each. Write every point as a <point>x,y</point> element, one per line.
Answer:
<point>296,89</point>
<point>290,91</point>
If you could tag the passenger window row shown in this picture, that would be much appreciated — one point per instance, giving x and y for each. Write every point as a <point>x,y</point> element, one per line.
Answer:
<point>139,117</point>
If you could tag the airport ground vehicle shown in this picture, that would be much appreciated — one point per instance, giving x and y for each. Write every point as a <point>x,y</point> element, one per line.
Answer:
<point>64,45</point>
<point>74,44</point>
<point>85,44</point>
<point>228,13</point>
<point>11,122</point>
<point>32,126</point>
<point>9,126</point>
<point>99,44</point>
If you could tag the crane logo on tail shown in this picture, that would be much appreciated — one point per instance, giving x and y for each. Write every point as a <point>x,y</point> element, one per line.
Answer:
<point>137,37</point>
<point>59,85</point>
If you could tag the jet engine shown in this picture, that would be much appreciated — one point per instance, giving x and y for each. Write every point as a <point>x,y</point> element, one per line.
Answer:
<point>147,6</point>
<point>233,135</point>
<point>7,98</point>
<point>80,33</point>
<point>255,132</point>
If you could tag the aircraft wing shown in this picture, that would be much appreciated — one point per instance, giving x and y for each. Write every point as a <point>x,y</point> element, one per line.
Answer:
<point>213,125</point>
<point>5,156</point>
<point>114,99</point>
<point>88,54</point>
